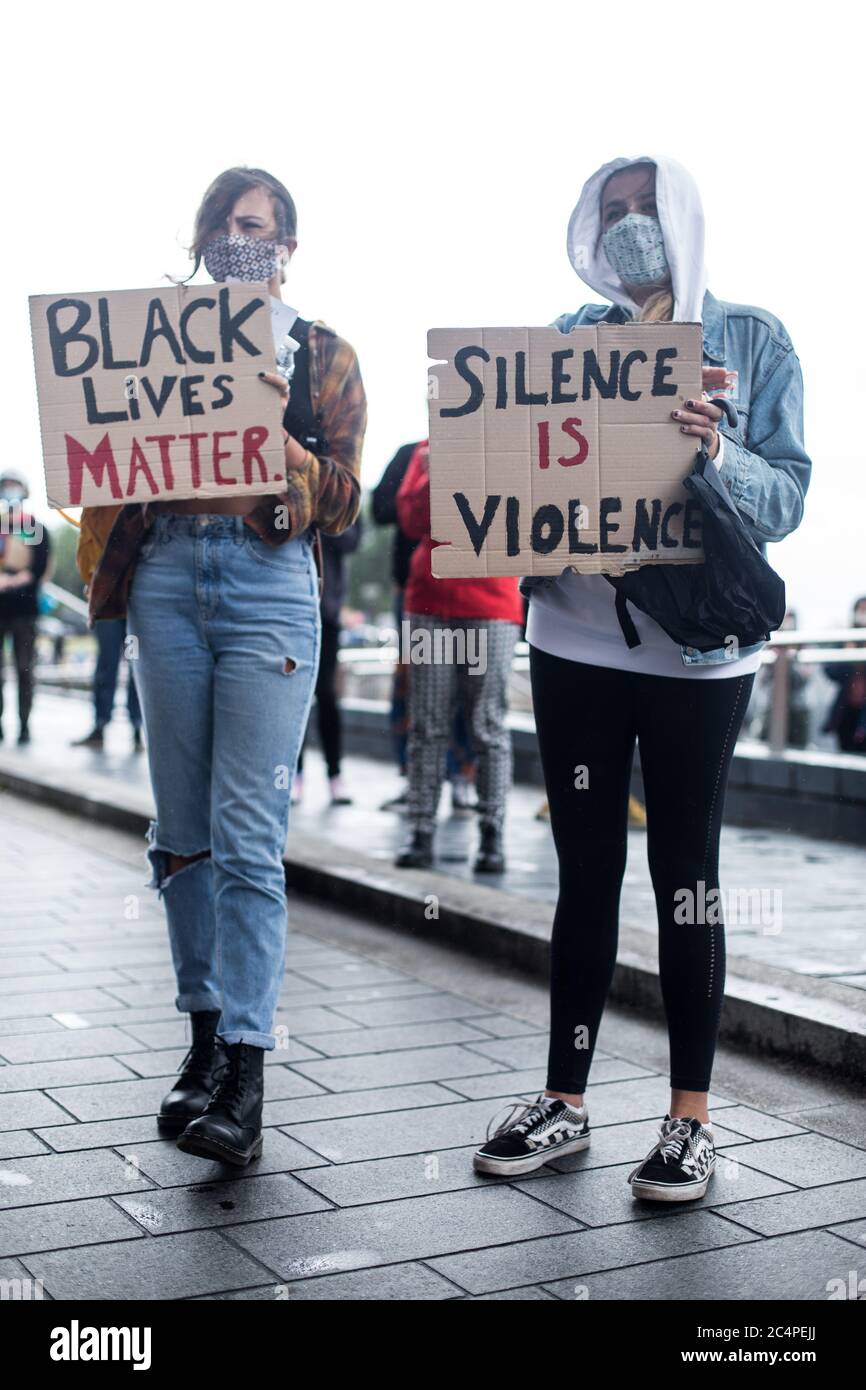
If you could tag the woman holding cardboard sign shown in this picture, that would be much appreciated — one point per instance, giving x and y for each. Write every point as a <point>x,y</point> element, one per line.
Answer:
<point>223,604</point>
<point>604,679</point>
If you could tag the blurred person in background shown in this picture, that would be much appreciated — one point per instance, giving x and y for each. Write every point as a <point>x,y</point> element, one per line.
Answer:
<point>25,552</point>
<point>334,552</point>
<point>488,613</point>
<point>383,501</point>
<point>847,714</point>
<point>110,641</point>
<point>384,509</point>
<point>799,705</point>
<point>461,763</point>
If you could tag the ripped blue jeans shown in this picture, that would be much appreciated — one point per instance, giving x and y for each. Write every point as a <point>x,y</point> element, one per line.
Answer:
<point>227,629</point>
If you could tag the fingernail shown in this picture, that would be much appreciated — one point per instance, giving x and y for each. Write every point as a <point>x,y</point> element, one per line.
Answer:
<point>684,428</point>
<point>676,414</point>
<point>689,402</point>
<point>261,373</point>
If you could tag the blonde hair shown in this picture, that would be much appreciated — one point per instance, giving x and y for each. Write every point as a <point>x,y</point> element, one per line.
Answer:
<point>658,308</point>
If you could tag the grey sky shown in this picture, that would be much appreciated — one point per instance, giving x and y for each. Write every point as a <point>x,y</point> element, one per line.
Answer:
<point>435,153</point>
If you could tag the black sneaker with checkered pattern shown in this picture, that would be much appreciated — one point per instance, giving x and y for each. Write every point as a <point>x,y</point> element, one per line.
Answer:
<point>679,1165</point>
<point>531,1135</point>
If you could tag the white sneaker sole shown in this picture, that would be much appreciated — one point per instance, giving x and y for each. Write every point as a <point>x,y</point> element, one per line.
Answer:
<point>502,1167</point>
<point>661,1192</point>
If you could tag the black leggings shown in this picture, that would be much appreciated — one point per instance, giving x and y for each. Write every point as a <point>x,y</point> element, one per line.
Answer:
<point>327,702</point>
<point>588,718</point>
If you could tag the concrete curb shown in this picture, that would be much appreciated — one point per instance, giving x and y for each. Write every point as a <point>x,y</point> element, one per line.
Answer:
<point>821,794</point>
<point>767,1010</point>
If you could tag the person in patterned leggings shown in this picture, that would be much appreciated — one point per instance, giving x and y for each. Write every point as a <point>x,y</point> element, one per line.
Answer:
<point>461,635</point>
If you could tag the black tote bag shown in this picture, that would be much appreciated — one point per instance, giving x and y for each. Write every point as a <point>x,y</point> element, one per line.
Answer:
<point>733,593</point>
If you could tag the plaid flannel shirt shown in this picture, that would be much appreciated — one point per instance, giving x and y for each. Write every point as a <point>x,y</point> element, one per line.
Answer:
<point>325,491</point>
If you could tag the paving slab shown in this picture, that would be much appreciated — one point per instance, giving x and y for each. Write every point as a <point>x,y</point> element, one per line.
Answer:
<point>381,1136</point>
<point>57,1225</point>
<point>810,876</point>
<point>179,1266</point>
<point>809,1160</point>
<point>402,1281</point>
<point>83,1042</point>
<point>530,1080</point>
<point>399,1067</point>
<point>204,1205</point>
<point>602,1197</point>
<point>23,1107</point>
<point>56,1177</point>
<point>401,1053</point>
<point>163,1163</point>
<point>801,1211</point>
<point>564,1256</point>
<point>796,1267</point>
<point>359,1237</point>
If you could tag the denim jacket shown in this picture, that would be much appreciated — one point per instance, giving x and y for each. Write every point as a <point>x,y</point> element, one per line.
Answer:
<point>765,466</point>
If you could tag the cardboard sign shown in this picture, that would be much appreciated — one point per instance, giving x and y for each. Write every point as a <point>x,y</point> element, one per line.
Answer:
<point>147,394</point>
<point>552,450</point>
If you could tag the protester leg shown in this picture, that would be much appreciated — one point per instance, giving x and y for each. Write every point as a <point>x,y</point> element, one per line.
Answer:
<point>586,732</point>
<point>482,691</point>
<point>24,645</point>
<point>133,705</point>
<point>400,693</point>
<point>110,633</point>
<point>432,691</point>
<point>327,703</point>
<point>174,670</point>
<point>687,730</point>
<point>265,632</point>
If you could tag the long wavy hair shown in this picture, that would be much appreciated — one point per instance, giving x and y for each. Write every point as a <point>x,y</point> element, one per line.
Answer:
<point>221,197</point>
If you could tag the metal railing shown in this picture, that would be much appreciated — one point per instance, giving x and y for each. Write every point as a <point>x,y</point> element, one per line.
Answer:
<point>64,599</point>
<point>785,650</point>
<point>806,647</point>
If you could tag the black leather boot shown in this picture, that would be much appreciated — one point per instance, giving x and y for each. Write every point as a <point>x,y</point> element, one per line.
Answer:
<point>491,856</point>
<point>418,853</point>
<point>230,1126</point>
<point>191,1093</point>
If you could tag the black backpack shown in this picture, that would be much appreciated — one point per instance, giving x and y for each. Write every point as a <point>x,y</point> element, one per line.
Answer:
<point>300,419</point>
<point>733,593</point>
<point>303,422</point>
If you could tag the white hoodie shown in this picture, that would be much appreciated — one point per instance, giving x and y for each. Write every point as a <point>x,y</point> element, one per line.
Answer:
<point>575,617</point>
<point>682,221</point>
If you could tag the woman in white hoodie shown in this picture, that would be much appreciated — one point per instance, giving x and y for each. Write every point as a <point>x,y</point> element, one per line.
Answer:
<point>637,237</point>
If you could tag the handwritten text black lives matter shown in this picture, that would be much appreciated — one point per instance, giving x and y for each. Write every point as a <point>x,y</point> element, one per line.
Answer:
<point>153,393</point>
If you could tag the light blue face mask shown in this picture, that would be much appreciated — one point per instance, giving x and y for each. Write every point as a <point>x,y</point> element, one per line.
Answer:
<point>635,248</point>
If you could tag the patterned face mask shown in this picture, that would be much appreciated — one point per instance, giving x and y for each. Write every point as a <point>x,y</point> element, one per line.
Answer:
<point>635,248</point>
<point>232,256</point>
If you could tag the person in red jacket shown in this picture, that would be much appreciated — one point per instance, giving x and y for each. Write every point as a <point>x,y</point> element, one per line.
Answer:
<point>458,635</point>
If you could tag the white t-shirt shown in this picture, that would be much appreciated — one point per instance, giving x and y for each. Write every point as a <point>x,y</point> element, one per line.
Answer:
<point>575,618</point>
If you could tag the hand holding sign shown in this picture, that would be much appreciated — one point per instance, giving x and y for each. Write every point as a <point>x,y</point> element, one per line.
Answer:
<point>147,394</point>
<point>296,454</point>
<point>551,450</point>
<point>700,417</point>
